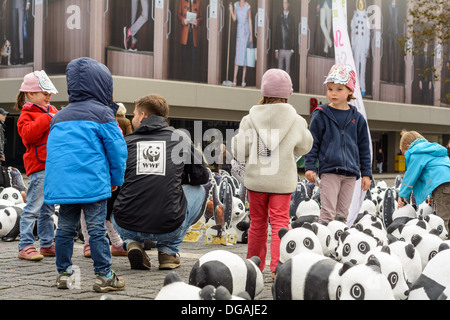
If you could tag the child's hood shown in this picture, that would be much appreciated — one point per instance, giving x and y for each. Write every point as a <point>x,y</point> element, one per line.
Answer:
<point>272,122</point>
<point>422,146</point>
<point>88,79</point>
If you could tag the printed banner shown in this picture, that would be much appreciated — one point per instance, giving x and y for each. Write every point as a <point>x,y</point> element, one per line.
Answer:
<point>344,55</point>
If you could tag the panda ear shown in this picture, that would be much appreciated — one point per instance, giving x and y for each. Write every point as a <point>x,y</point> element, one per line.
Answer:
<point>410,251</point>
<point>171,278</point>
<point>415,239</point>
<point>344,235</point>
<point>368,232</point>
<point>391,238</point>
<point>422,224</point>
<point>347,265</point>
<point>256,260</point>
<point>386,249</point>
<point>359,227</point>
<point>207,292</point>
<point>443,246</point>
<point>282,232</point>
<point>374,263</point>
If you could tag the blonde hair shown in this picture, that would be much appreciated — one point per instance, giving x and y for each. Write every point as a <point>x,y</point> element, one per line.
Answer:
<point>271,100</point>
<point>153,104</point>
<point>408,137</point>
<point>122,111</point>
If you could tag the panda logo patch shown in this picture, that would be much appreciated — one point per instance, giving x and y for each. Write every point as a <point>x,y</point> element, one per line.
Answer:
<point>151,158</point>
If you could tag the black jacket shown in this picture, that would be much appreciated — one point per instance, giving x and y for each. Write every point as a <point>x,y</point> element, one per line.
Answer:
<point>285,32</point>
<point>160,160</point>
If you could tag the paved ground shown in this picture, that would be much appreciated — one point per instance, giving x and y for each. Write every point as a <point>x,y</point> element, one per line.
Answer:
<point>25,280</point>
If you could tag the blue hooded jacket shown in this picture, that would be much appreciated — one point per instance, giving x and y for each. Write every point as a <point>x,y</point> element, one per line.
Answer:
<point>86,151</point>
<point>339,150</point>
<point>427,167</point>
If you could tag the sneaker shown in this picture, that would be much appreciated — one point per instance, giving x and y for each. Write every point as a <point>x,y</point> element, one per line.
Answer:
<point>64,281</point>
<point>30,253</point>
<point>118,251</point>
<point>126,37</point>
<point>168,262</point>
<point>48,252</point>
<point>138,257</point>
<point>113,283</point>
<point>87,250</point>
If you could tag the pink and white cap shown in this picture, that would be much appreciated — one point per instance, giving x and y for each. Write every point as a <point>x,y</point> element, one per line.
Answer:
<point>38,81</point>
<point>343,74</point>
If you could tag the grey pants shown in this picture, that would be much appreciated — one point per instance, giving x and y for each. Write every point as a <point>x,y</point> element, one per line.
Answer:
<point>441,198</point>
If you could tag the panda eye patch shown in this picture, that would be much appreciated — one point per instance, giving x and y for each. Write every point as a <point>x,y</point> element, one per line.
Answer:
<point>393,279</point>
<point>346,250</point>
<point>15,196</point>
<point>308,243</point>
<point>432,254</point>
<point>363,247</point>
<point>357,292</point>
<point>290,247</point>
<point>5,196</point>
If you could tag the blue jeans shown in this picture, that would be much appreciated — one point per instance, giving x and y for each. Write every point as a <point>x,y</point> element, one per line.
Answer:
<point>36,211</point>
<point>168,243</point>
<point>95,216</point>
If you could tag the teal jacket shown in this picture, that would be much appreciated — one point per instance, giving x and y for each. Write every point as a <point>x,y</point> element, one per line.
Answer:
<point>427,167</point>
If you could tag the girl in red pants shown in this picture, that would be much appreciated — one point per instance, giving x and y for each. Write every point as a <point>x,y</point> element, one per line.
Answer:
<point>270,139</point>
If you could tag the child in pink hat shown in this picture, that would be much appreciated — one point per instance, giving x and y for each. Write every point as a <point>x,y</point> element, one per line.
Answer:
<point>341,146</point>
<point>33,102</point>
<point>270,139</point>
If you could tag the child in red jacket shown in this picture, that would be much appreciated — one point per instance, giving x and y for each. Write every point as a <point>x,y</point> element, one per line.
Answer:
<point>33,102</point>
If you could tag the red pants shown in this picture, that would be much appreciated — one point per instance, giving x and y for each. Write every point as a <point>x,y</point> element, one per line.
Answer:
<point>262,207</point>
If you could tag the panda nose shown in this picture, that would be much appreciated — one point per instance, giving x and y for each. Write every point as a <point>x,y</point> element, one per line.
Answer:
<point>407,293</point>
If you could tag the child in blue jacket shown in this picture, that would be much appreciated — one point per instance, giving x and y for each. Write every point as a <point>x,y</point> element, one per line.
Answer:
<point>427,173</point>
<point>341,146</point>
<point>86,160</point>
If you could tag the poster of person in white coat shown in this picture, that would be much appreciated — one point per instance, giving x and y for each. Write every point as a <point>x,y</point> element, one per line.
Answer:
<point>360,40</point>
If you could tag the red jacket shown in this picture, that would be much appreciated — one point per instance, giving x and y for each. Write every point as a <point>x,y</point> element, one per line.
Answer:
<point>34,126</point>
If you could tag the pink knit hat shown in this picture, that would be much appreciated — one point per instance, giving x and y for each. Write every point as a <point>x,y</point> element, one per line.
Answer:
<point>37,81</point>
<point>343,74</point>
<point>276,83</point>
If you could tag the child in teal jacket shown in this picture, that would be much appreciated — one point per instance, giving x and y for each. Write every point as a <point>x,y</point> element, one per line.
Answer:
<point>427,173</point>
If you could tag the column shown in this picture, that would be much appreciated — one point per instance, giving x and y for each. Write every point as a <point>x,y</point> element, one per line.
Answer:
<point>97,30</point>
<point>39,50</point>
<point>215,23</point>
<point>161,33</point>
<point>262,42</point>
<point>376,49</point>
<point>303,35</point>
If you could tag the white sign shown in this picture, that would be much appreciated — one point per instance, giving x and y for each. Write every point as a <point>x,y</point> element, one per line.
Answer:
<point>261,17</point>
<point>304,27</point>
<point>213,9</point>
<point>159,4</point>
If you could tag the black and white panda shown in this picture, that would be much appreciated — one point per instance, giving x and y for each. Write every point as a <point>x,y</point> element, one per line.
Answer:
<point>9,223</point>
<point>354,245</point>
<point>364,282</point>
<point>434,282</point>
<point>224,268</point>
<point>307,276</point>
<point>175,289</point>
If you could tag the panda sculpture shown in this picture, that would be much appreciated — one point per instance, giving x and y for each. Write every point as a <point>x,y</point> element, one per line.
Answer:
<point>427,245</point>
<point>10,223</point>
<point>337,227</point>
<point>354,246</point>
<point>392,269</point>
<point>434,282</point>
<point>410,258</point>
<point>298,240</point>
<point>175,289</point>
<point>437,223</point>
<point>327,242</point>
<point>364,282</point>
<point>307,211</point>
<point>224,268</point>
<point>11,194</point>
<point>307,276</point>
